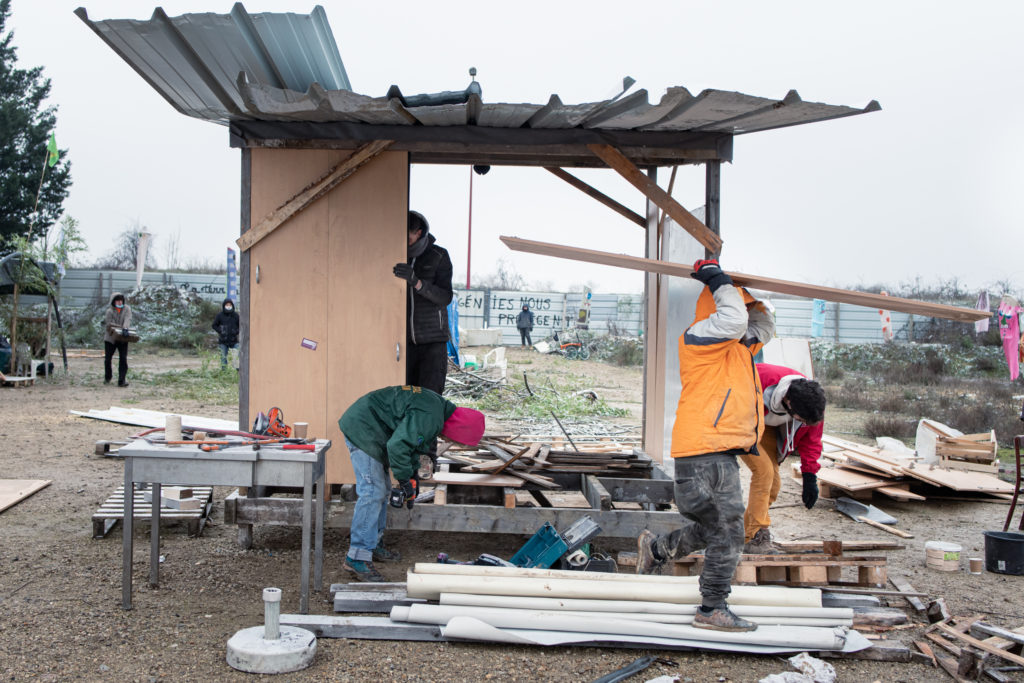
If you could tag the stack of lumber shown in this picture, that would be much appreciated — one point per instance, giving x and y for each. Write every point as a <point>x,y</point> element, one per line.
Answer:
<point>859,470</point>
<point>968,648</point>
<point>533,461</point>
<point>967,452</point>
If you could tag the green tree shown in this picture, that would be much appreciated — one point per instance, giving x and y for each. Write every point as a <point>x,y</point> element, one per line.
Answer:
<point>25,129</point>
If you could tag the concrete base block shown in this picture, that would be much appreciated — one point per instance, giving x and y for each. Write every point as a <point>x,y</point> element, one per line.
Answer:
<point>249,651</point>
<point>480,337</point>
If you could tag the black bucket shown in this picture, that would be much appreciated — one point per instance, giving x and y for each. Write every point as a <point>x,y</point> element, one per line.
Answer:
<point>1004,552</point>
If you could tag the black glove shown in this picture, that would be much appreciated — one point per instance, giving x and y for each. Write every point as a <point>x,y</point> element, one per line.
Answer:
<point>709,272</point>
<point>405,493</point>
<point>810,494</point>
<point>405,272</point>
<point>124,332</point>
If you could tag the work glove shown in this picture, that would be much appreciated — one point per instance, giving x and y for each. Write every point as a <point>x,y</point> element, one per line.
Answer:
<point>709,272</point>
<point>404,271</point>
<point>810,494</point>
<point>405,493</point>
<point>124,331</point>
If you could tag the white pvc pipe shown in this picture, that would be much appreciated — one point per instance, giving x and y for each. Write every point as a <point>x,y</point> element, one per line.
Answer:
<point>802,637</point>
<point>628,608</point>
<point>430,587</point>
<point>476,570</point>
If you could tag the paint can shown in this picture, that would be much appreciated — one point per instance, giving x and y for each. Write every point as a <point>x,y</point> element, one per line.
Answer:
<point>942,555</point>
<point>976,565</point>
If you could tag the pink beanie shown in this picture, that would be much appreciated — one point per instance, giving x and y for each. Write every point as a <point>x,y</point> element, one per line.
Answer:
<point>465,426</point>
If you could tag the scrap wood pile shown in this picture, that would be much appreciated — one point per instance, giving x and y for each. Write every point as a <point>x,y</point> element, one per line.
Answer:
<point>968,648</point>
<point>553,607</point>
<point>862,469</point>
<point>533,461</point>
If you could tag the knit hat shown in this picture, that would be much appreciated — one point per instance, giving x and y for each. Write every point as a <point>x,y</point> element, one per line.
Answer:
<point>465,426</point>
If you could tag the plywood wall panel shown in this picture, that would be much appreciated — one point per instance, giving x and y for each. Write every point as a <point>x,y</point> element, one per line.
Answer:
<point>366,307</point>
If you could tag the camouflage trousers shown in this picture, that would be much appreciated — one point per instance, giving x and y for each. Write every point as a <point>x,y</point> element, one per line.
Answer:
<point>708,495</point>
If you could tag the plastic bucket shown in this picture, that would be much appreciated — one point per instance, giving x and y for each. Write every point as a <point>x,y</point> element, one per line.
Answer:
<point>942,556</point>
<point>1004,552</point>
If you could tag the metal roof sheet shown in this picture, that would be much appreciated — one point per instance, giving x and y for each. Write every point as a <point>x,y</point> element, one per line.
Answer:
<point>286,67</point>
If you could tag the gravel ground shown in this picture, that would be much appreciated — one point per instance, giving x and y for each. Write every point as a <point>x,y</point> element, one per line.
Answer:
<point>60,589</point>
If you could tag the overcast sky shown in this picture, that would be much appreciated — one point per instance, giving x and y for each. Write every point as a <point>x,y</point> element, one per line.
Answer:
<point>928,187</point>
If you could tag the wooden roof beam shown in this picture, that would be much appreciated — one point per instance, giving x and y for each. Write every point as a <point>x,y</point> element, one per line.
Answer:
<point>598,195</point>
<point>846,296</point>
<point>621,164</point>
<point>318,188</point>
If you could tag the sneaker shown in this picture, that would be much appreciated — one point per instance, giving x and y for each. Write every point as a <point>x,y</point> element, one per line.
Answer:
<point>646,562</point>
<point>721,619</point>
<point>363,570</point>
<point>761,544</point>
<point>382,554</point>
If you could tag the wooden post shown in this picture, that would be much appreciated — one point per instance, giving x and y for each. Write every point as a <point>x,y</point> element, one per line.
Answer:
<point>654,362</point>
<point>712,201</point>
<point>49,331</point>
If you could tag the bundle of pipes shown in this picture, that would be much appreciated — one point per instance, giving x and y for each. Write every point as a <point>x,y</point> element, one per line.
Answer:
<point>515,605</point>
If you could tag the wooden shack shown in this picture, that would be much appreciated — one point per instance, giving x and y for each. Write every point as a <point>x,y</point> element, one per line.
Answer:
<point>325,188</point>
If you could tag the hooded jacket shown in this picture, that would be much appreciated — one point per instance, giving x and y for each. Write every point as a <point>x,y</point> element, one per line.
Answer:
<point>428,306</point>
<point>396,425</point>
<point>720,405</point>
<point>524,321</point>
<point>226,324</point>
<point>793,436</point>
<point>116,320</point>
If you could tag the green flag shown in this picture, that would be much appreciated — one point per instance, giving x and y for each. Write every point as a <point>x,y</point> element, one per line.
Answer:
<point>51,146</point>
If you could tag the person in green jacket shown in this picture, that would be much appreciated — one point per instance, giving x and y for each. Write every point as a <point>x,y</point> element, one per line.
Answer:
<point>391,428</point>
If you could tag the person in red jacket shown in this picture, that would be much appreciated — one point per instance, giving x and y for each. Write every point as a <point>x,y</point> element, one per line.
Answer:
<point>794,410</point>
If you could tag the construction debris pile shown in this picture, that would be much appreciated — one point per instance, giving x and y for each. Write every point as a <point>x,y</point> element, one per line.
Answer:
<point>965,465</point>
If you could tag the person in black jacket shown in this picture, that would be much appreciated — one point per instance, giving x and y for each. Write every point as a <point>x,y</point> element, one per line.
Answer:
<point>428,271</point>
<point>226,325</point>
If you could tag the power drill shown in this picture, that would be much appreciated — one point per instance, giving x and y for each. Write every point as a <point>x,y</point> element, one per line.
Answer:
<point>399,496</point>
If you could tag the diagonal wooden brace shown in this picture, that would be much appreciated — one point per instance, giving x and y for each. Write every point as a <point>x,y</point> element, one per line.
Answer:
<point>599,196</point>
<point>312,192</point>
<point>686,220</point>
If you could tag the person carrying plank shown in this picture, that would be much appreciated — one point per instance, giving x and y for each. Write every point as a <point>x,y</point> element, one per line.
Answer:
<point>391,428</point>
<point>794,410</point>
<point>719,416</point>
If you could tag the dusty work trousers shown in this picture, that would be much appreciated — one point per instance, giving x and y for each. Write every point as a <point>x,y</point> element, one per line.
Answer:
<point>708,495</point>
<point>765,484</point>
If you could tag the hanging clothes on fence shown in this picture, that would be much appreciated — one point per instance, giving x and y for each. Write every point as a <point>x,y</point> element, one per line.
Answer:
<point>886,320</point>
<point>1009,330</point>
<point>817,318</point>
<point>981,326</point>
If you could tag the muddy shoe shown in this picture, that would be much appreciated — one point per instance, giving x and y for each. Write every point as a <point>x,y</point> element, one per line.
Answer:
<point>721,619</point>
<point>762,544</point>
<point>364,571</point>
<point>646,562</point>
<point>382,554</point>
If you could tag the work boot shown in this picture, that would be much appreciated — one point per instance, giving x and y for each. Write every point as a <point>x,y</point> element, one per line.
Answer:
<point>363,570</point>
<point>762,544</point>
<point>721,619</point>
<point>646,561</point>
<point>382,554</point>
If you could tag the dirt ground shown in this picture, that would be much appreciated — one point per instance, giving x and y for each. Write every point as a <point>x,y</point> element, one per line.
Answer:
<point>60,589</point>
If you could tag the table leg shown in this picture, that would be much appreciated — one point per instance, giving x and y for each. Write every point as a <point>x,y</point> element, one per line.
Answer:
<point>245,530</point>
<point>307,504</point>
<point>154,535</point>
<point>128,510</point>
<point>318,543</point>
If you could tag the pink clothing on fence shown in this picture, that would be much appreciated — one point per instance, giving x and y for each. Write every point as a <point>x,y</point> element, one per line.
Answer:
<point>1009,330</point>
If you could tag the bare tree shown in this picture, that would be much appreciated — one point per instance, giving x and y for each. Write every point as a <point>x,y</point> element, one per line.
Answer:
<point>125,251</point>
<point>505,277</point>
<point>172,251</point>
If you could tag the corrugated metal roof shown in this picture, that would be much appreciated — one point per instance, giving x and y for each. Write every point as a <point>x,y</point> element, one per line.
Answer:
<point>285,67</point>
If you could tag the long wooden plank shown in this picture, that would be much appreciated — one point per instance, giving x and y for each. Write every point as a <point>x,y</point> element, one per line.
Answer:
<point>923,308</point>
<point>903,586</point>
<point>960,480</point>
<point>13,491</point>
<point>848,546</point>
<point>621,164</point>
<point>598,195</point>
<point>312,192</point>
<point>849,480</point>
<point>467,479</point>
<point>981,645</point>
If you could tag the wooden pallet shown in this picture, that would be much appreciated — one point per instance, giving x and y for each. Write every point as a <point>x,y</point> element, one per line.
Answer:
<point>112,511</point>
<point>808,569</point>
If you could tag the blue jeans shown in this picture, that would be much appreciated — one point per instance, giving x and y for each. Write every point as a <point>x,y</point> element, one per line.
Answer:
<point>224,353</point>
<point>370,517</point>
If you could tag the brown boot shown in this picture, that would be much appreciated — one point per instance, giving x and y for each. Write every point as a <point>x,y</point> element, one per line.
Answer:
<point>762,544</point>
<point>721,619</point>
<point>646,562</point>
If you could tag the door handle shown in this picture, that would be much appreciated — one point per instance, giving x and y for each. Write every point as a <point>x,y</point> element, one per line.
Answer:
<point>398,351</point>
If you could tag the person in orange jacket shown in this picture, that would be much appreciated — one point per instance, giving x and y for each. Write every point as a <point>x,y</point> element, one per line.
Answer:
<point>794,410</point>
<point>719,417</point>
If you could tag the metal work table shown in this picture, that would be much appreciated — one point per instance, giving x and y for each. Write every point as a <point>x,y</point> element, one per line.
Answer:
<point>234,466</point>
